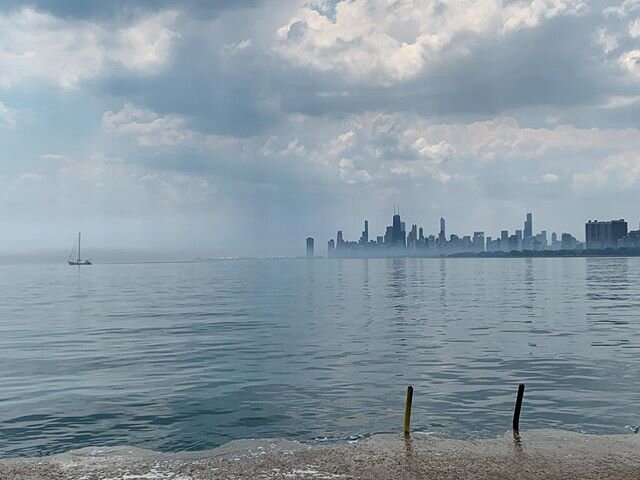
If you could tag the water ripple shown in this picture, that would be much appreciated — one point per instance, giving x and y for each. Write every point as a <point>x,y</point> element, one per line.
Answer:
<point>189,356</point>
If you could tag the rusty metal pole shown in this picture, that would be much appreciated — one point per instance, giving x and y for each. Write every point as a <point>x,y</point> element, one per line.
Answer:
<point>516,412</point>
<point>407,411</point>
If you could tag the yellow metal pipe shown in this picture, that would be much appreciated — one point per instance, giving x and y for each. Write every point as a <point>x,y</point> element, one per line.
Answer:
<point>407,411</point>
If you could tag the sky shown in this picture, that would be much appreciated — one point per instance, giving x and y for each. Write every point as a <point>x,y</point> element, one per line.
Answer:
<point>240,127</point>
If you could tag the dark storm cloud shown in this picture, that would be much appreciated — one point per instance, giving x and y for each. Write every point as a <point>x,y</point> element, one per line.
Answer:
<point>219,93</point>
<point>109,8</point>
<point>553,65</point>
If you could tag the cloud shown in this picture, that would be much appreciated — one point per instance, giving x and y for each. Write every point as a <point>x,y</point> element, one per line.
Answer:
<point>621,101</point>
<point>379,149</point>
<point>550,178</point>
<point>607,41</point>
<point>379,137</point>
<point>480,76</point>
<point>620,171</point>
<point>56,157</point>
<point>101,10</point>
<point>237,47</point>
<point>99,185</point>
<point>623,10</point>
<point>631,62</point>
<point>384,42</point>
<point>148,127</point>
<point>238,83</point>
<point>7,115</point>
<point>37,45</point>
<point>634,28</point>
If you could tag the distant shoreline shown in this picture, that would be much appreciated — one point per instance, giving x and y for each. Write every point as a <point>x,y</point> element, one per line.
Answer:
<point>609,252</point>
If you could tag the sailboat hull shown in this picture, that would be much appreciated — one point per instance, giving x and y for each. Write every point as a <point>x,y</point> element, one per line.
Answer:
<point>82,262</point>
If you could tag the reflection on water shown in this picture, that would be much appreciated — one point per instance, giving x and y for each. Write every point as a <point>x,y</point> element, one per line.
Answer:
<point>189,356</point>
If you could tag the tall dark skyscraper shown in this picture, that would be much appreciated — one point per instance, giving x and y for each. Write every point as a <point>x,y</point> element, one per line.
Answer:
<point>364,238</point>
<point>310,247</point>
<point>528,226</point>
<point>442,236</point>
<point>397,235</point>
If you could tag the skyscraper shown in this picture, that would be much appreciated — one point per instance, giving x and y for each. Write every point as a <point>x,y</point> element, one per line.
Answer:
<point>397,239</point>
<point>442,236</point>
<point>364,237</point>
<point>528,226</point>
<point>310,252</point>
<point>478,241</point>
<point>388,236</point>
<point>504,240</point>
<point>412,238</point>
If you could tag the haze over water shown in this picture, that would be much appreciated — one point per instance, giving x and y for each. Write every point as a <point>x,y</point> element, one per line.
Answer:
<point>190,356</point>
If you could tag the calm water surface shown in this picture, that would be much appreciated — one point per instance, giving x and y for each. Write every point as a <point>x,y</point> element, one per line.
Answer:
<point>190,356</point>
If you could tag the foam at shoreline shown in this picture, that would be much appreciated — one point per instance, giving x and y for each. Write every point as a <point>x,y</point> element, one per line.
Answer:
<point>548,454</point>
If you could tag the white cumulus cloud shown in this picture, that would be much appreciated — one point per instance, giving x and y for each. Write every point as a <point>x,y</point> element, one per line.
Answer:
<point>631,62</point>
<point>148,127</point>
<point>39,45</point>
<point>385,41</point>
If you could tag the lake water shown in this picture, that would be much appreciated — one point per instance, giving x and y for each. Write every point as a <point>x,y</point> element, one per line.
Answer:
<point>190,356</point>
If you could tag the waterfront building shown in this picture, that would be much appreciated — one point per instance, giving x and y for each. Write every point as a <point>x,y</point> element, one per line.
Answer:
<point>568,242</point>
<point>632,240</point>
<point>605,234</point>
<point>504,240</point>
<point>478,241</point>
<point>541,241</point>
<point>310,248</point>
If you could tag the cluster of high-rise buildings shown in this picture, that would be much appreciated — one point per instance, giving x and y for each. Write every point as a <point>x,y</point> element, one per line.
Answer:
<point>398,242</point>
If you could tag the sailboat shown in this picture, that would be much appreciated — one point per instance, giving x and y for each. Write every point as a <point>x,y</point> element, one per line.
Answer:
<point>77,260</point>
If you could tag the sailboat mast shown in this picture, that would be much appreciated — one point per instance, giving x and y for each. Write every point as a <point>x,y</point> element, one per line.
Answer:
<point>79,257</point>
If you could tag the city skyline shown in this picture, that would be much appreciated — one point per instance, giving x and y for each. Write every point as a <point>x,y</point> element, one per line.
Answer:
<point>398,240</point>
